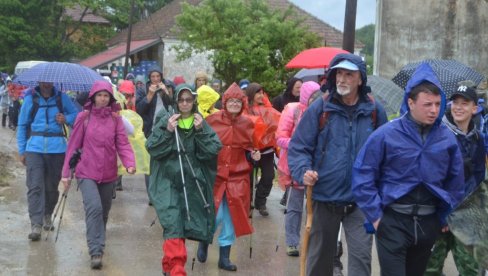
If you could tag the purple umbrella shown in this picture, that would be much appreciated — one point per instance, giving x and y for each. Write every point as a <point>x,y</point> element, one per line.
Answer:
<point>64,75</point>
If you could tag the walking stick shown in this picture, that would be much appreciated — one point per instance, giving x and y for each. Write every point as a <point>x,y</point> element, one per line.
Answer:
<point>65,195</point>
<point>182,174</point>
<point>60,202</point>
<point>284,219</point>
<point>253,182</point>
<point>306,235</point>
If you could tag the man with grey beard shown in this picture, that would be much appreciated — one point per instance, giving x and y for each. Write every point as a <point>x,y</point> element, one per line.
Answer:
<point>321,154</point>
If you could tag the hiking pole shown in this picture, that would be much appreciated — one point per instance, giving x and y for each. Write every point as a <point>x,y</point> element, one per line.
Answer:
<point>60,202</point>
<point>182,174</point>
<point>13,135</point>
<point>284,219</point>
<point>205,203</point>
<point>253,194</point>
<point>154,221</point>
<point>65,195</point>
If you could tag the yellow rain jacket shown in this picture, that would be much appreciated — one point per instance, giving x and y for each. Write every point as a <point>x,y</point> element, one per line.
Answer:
<point>138,142</point>
<point>207,97</point>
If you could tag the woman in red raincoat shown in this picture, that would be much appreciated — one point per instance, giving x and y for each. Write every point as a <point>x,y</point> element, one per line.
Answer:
<point>261,110</point>
<point>232,187</point>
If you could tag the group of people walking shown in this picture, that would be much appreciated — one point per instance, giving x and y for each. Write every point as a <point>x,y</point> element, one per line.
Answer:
<point>398,179</point>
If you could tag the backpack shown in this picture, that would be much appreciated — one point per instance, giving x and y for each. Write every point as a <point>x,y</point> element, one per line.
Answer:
<point>324,118</point>
<point>35,109</point>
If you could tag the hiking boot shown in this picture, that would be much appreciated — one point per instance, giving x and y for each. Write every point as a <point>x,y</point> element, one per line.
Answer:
<point>35,235</point>
<point>263,211</point>
<point>202,252</point>
<point>292,251</point>
<point>338,271</point>
<point>48,223</point>
<point>96,262</point>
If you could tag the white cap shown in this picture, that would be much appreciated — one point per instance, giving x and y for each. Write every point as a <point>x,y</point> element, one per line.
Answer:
<point>346,64</point>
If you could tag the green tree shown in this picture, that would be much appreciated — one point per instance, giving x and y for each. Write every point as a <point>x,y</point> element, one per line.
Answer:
<point>246,39</point>
<point>366,36</point>
<point>36,29</point>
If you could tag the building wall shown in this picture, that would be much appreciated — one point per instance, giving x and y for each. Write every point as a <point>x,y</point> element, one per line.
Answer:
<point>413,30</point>
<point>186,68</point>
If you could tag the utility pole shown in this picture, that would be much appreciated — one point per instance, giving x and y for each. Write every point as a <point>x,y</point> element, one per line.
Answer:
<point>349,35</point>
<point>127,50</point>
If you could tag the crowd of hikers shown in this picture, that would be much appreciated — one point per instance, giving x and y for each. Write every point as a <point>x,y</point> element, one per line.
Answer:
<point>209,159</point>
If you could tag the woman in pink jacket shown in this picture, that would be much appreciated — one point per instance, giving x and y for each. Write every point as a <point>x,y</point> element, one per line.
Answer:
<point>100,134</point>
<point>288,121</point>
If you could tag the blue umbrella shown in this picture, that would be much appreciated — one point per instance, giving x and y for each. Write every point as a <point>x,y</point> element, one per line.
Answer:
<point>64,75</point>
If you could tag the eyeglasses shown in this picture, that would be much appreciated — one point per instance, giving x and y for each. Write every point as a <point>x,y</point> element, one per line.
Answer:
<point>187,100</point>
<point>235,101</point>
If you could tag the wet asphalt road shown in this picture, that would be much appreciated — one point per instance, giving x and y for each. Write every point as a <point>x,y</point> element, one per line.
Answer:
<point>132,246</point>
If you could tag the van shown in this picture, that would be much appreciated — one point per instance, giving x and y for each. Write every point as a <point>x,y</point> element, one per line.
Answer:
<point>24,65</point>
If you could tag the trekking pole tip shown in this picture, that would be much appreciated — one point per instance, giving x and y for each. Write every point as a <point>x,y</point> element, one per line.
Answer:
<point>276,250</point>
<point>192,263</point>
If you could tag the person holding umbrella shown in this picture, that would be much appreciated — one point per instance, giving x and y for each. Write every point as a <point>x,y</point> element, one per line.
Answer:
<point>41,145</point>
<point>232,193</point>
<point>183,149</point>
<point>100,135</point>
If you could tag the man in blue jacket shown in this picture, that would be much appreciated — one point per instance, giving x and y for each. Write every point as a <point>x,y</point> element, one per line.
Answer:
<point>41,144</point>
<point>409,176</point>
<point>321,155</point>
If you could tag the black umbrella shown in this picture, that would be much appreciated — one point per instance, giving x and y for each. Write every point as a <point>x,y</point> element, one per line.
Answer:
<point>449,73</point>
<point>387,93</point>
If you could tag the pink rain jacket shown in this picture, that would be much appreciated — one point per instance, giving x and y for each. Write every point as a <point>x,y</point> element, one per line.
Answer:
<point>101,135</point>
<point>290,116</point>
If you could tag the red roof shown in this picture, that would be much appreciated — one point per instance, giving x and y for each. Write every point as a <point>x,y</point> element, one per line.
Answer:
<point>117,52</point>
<point>76,12</point>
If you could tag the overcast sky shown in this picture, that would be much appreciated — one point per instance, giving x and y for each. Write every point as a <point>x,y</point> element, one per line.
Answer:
<point>332,11</point>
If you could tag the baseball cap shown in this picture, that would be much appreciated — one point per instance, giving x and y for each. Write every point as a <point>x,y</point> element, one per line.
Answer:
<point>466,92</point>
<point>185,86</point>
<point>243,83</point>
<point>346,64</point>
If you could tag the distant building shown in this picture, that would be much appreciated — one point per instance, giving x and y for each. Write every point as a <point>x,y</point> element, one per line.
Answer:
<point>409,31</point>
<point>153,39</point>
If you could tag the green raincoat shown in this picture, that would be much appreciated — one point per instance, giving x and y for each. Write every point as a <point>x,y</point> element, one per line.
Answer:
<point>166,187</point>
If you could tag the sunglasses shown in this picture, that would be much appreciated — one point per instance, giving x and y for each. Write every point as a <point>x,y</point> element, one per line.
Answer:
<point>187,100</point>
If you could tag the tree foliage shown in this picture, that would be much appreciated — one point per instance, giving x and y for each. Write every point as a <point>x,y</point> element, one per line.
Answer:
<point>366,36</point>
<point>246,39</point>
<point>39,30</point>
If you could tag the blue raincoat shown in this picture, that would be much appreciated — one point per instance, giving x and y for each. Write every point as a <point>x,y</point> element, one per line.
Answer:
<point>394,160</point>
<point>331,151</point>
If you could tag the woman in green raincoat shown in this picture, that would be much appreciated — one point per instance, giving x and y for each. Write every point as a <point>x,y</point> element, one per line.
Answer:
<point>166,186</point>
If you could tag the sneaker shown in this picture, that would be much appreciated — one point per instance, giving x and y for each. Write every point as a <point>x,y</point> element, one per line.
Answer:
<point>35,235</point>
<point>96,262</point>
<point>48,223</point>
<point>338,271</point>
<point>263,211</point>
<point>292,251</point>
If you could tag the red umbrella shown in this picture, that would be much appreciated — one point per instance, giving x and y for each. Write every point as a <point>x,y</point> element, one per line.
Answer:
<point>315,58</point>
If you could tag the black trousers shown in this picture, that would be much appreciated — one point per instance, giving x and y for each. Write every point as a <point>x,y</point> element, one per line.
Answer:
<point>263,187</point>
<point>404,244</point>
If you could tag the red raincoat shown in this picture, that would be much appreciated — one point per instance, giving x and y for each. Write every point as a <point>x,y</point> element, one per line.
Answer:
<point>233,168</point>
